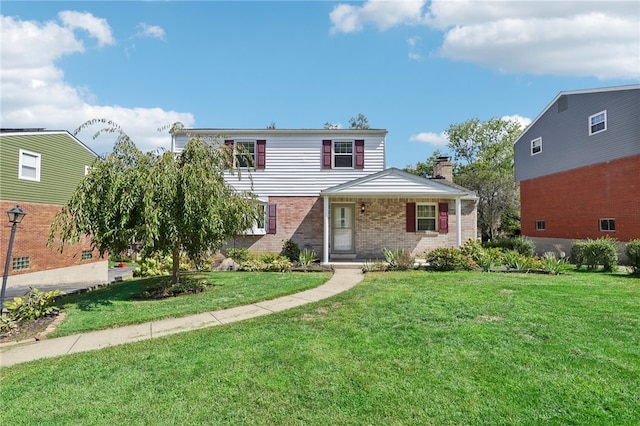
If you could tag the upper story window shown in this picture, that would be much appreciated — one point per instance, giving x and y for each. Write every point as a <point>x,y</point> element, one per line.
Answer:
<point>426,217</point>
<point>29,166</point>
<point>598,123</point>
<point>248,153</point>
<point>536,146</point>
<point>343,154</point>
<point>245,153</point>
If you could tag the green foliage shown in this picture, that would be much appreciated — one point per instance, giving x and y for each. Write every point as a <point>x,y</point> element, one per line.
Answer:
<point>307,257</point>
<point>33,305</point>
<point>425,169</point>
<point>376,266</point>
<point>119,258</point>
<point>399,259</point>
<point>166,288</point>
<point>167,202</point>
<point>472,249</point>
<point>594,253</point>
<point>267,262</point>
<point>7,324</point>
<point>633,255</point>
<point>151,267</point>
<point>522,245</point>
<point>553,264</point>
<point>359,122</point>
<point>490,259</point>
<point>448,259</point>
<point>239,255</point>
<point>290,250</point>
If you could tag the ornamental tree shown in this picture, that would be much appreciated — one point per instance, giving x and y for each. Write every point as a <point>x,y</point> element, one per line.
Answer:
<point>169,202</point>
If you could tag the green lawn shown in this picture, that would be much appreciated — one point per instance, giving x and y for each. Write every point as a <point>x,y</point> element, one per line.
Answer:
<point>400,348</point>
<point>114,305</point>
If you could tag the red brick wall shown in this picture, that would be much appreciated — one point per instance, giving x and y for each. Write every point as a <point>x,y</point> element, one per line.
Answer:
<point>572,203</point>
<point>31,240</point>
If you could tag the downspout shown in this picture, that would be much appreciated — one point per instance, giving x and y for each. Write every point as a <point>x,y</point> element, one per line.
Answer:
<point>458,222</point>
<point>325,232</point>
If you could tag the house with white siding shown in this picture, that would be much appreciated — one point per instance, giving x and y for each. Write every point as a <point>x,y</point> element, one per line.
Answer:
<point>328,190</point>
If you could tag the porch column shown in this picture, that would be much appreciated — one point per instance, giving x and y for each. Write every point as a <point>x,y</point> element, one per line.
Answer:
<point>325,232</point>
<point>458,223</point>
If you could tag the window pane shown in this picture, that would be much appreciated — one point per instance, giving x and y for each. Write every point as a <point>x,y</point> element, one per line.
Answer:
<point>426,211</point>
<point>343,148</point>
<point>29,172</point>
<point>426,224</point>
<point>343,161</point>
<point>29,160</point>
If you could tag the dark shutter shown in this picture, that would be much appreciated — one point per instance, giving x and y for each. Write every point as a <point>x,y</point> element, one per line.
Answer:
<point>411,217</point>
<point>443,217</point>
<point>261,146</point>
<point>326,154</point>
<point>359,154</point>
<point>271,219</point>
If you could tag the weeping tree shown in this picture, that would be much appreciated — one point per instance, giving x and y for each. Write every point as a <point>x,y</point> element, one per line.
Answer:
<point>172,203</point>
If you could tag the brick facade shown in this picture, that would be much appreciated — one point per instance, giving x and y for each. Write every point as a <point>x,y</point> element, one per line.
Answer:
<point>572,203</point>
<point>31,240</point>
<point>382,225</point>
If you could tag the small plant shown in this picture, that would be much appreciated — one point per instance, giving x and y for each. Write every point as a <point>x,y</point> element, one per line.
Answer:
<point>290,250</point>
<point>7,324</point>
<point>253,264</point>
<point>445,259</point>
<point>633,255</point>
<point>239,255</point>
<point>33,305</point>
<point>490,259</point>
<point>472,249</point>
<point>399,259</point>
<point>594,253</point>
<point>520,244</point>
<point>554,265</point>
<point>376,266</point>
<point>306,257</point>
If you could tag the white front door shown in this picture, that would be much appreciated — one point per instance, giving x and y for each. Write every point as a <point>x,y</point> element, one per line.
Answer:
<point>342,225</point>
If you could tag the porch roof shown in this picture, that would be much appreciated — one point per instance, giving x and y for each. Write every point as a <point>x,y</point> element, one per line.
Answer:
<point>394,182</point>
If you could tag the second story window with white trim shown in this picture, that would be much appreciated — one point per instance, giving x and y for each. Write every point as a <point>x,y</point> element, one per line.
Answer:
<point>536,146</point>
<point>343,154</point>
<point>598,123</point>
<point>245,153</point>
<point>29,166</point>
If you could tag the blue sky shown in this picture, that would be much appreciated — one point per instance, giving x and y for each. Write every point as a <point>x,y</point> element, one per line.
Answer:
<point>411,67</point>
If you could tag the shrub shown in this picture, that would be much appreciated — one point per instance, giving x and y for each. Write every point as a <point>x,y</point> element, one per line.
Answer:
<point>33,305</point>
<point>633,255</point>
<point>270,262</point>
<point>445,259</point>
<point>490,259</point>
<point>520,244</point>
<point>151,267</point>
<point>253,264</point>
<point>306,257</point>
<point>398,259</point>
<point>7,324</point>
<point>238,255</point>
<point>472,249</point>
<point>376,266</point>
<point>290,250</point>
<point>554,265</point>
<point>594,253</point>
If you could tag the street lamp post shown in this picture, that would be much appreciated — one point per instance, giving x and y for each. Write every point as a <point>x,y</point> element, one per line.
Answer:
<point>16,215</point>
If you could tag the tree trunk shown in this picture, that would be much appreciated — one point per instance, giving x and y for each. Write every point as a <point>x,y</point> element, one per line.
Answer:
<point>175,273</point>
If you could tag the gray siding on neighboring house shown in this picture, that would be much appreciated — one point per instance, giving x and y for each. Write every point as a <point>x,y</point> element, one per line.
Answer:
<point>564,129</point>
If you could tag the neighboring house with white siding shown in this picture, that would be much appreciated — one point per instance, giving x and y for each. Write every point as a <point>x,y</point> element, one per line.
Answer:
<point>328,190</point>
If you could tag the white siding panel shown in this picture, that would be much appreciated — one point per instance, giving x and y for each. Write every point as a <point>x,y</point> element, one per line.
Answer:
<point>294,161</point>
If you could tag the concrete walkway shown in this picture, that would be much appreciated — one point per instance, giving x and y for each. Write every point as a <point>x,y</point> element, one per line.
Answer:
<point>342,279</point>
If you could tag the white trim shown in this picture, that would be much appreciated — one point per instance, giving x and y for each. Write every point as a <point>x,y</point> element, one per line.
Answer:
<point>533,141</point>
<point>607,219</point>
<point>436,218</point>
<point>591,124</point>
<point>341,154</point>
<point>325,233</point>
<point>459,222</point>
<point>38,159</point>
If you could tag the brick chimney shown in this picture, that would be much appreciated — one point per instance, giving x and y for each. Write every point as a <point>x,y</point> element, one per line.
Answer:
<point>443,169</point>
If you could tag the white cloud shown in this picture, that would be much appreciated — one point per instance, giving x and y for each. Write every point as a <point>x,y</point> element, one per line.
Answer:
<point>413,43</point>
<point>437,139</point>
<point>152,31</point>
<point>565,37</point>
<point>96,27</point>
<point>35,94</point>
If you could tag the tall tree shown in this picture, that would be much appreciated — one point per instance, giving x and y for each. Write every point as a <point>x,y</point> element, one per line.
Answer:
<point>359,122</point>
<point>170,203</point>
<point>483,152</point>
<point>425,169</point>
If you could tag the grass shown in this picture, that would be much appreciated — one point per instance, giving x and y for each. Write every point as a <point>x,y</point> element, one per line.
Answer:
<point>115,305</point>
<point>399,348</point>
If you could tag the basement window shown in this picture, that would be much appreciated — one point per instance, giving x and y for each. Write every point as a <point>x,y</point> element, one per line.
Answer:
<point>607,225</point>
<point>540,225</point>
<point>87,254</point>
<point>20,263</point>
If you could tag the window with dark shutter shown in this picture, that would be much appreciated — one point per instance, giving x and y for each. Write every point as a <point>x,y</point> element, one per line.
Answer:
<point>411,217</point>
<point>326,154</point>
<point>271,218</point>
<point>261,146</point>
<point>359,154</point>
<point>443,218</point>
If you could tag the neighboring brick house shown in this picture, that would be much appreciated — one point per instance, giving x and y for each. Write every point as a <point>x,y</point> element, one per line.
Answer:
<point>578,165</point>
<point>329,191</point>
<point>39,170</point>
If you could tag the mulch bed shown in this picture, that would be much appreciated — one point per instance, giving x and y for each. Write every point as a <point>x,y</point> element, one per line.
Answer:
<point>33,330</point>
